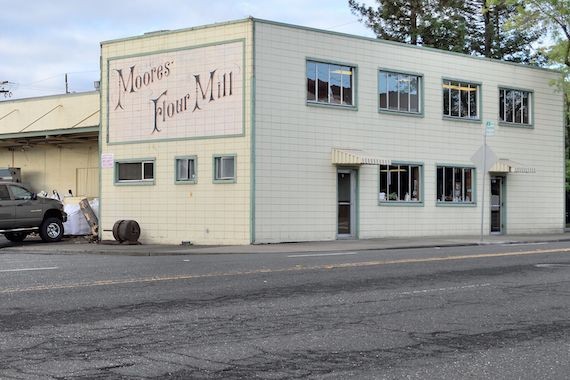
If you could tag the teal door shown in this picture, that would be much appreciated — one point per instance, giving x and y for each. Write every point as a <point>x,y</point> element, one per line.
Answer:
<point>346,210</point>
<point>497,205</point>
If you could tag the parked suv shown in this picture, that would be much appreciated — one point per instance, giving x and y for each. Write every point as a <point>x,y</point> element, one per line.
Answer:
<point>22,212</point>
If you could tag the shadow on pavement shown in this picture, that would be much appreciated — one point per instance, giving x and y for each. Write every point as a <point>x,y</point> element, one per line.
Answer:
<point>29,241</point>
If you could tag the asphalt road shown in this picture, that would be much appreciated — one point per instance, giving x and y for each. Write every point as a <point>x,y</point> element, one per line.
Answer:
<point>490,312</point>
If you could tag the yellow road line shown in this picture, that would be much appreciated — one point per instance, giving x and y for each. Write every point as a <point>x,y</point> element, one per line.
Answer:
<point>289,269</point>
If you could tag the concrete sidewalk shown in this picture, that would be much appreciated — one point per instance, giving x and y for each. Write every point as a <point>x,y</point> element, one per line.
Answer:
<point>81,246</point>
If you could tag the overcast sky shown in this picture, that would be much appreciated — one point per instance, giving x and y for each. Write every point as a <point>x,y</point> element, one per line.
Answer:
<point>41,41</point>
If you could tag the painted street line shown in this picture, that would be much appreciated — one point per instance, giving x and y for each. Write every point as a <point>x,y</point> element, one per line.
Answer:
<point>324,254</point>
<point>27,269</point>
<point>517,244</point>
<point>296,268</point>
<point>449,289</point>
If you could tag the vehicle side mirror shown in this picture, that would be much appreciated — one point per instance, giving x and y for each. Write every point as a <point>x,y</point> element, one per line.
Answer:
<point>34,196</point>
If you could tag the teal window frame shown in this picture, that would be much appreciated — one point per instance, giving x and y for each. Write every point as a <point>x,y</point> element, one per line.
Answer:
<point>142,180</point>
<point>472,202</point>
<point>515,124</point>
<point>420,192</point>
<point>462,83</point>
<point>420,90</point>
<point>218,159</point>
<point>328,103</point>
<point>180,181</point>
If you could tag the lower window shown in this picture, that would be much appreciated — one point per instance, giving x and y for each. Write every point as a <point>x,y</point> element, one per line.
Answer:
<point>135,171</point>
<point>224,168</point>
<point>186,169</point>
<point>400,183</point>
<point>455,184</point>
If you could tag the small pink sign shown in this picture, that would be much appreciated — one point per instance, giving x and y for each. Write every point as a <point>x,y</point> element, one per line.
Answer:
<point>107,160</point>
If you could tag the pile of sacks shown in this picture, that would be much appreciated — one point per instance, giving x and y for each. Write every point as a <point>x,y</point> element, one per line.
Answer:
<point>76,223</point>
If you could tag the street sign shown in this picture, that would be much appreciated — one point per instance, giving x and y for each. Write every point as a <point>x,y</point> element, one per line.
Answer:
<point>489,128</point>
<point>484,158</point>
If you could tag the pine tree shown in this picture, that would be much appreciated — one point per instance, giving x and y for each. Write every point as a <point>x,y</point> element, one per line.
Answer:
<point>435,23</point>
<point>489,36</point>
<point>474,27</point>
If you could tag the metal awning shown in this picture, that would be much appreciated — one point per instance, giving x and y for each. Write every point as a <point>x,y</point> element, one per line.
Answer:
<point>504,165</point>
<point>356,157</point>
<point>26,140</point>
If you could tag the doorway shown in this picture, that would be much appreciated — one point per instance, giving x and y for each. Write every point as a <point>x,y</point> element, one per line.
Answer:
<point>497,205</point>
<point>346,209</point>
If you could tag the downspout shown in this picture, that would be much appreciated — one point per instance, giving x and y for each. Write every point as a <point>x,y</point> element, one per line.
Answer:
<point>252,138</point>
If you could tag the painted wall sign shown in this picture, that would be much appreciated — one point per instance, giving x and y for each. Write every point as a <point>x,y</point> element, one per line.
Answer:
<point>179,94</point>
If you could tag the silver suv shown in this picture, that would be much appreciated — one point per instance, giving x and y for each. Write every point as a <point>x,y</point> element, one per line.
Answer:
<point>22,212</point>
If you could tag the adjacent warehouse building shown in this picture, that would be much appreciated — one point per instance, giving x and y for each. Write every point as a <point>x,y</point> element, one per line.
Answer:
<point>257,132</point>
<point>53,140</point>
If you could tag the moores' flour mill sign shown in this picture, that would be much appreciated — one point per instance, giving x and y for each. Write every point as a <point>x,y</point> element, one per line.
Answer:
<point>177,94</point>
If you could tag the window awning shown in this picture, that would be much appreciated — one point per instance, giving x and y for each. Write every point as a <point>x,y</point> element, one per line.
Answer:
<point>504,165</point>
<point>355,157</point>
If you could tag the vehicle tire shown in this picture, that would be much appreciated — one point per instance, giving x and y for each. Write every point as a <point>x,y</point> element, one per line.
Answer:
<point>51,230</point>
<point>16,237</point>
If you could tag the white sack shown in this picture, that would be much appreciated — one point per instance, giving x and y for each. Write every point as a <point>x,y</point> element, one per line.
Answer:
<point>76,223</point>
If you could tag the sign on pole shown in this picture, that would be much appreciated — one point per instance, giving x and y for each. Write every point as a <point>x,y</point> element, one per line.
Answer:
<point>484,158</point>
<point>489,128</point>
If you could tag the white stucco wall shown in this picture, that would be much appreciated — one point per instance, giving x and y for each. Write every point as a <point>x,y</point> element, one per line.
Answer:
<point>295,183</point>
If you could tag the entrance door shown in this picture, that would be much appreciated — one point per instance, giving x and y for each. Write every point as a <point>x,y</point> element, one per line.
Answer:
<point>497,205</point>
<point>346,190</point>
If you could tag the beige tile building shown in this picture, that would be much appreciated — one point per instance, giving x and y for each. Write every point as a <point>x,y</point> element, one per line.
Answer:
<point>257,132</point>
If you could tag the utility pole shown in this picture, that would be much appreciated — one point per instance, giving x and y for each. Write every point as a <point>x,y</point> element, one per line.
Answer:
<point>66,85</point>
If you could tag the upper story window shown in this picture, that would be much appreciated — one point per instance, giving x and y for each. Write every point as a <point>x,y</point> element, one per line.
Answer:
<point>399,92</point>
<point>134,171</point>
<point>400,183</point>
<point>329,83</point>
<point>515,106</point>
<point>455,184</point>
<point>461,99</point>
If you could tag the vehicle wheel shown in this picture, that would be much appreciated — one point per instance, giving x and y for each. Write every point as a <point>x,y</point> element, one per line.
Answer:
<point>16,237</point>
<point>51,230</point>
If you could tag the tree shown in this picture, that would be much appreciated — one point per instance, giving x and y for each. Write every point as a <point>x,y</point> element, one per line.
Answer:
<point>435,23</point>
<point>490,36</point>
<point>473,26</point>
<point>553,16</point>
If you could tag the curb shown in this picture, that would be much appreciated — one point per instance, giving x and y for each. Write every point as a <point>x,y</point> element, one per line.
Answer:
<point>78,249</point>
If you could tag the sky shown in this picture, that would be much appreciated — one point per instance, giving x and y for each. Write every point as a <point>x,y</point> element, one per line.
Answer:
<point>42,40</point>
